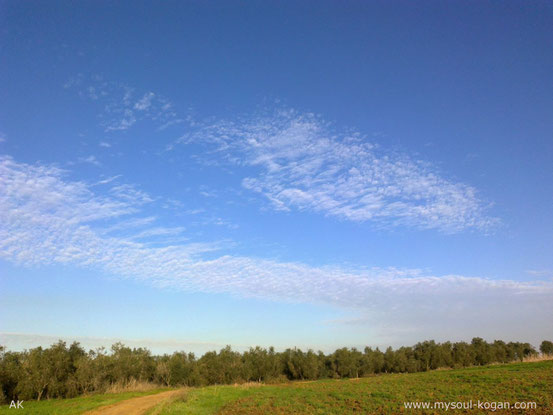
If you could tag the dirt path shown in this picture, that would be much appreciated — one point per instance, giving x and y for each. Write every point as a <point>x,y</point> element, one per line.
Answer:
<point>135,406</point>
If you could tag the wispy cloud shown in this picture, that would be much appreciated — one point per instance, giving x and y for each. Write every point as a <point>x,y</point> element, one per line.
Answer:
<point>205,192</point>
<point>217,221</point>
<point>299,161</point>
<point>540,273</point>
<point>304,164</point>
<point>131,194</point>
<point>48,219</point>
<point>129,224</point>
<point>124,119</point>
<point>90,160</point>
<point>123,106</point>
<point>172,122</point>
<point>108,180</point>
<point>3,138</point>
<point>145,102</point>
<point>104,144</point>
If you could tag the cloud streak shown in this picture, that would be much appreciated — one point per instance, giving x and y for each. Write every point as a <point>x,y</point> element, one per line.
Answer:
<point>47,219</point>
<point>90,160</point>
<point>302,164</point>
<point>122,106</point>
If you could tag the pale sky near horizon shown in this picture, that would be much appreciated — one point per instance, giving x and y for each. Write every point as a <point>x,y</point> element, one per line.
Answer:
<point>186,175</point>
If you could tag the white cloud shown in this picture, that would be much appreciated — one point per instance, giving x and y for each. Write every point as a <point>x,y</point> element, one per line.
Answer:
<point>540,273</point>
<point>47,219</point>
<point>170,123</point>
<point>303,164</point>
<point>217,221</point>
<point>125,120</point>
<point>131,194</point>
<point>108,180</point>
<point>145,102</point>
<point>73,82</point>
<point>121,106</point>
<point>90,160</point>
<point>3,138</point>
<point>104,144</point>
<point>92,94</point>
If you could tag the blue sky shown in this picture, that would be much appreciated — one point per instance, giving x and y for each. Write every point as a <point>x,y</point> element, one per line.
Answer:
<point>186,175</point>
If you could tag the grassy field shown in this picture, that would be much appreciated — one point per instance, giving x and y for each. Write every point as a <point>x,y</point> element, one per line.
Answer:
<point>75,405</point>
<point>383,394</point>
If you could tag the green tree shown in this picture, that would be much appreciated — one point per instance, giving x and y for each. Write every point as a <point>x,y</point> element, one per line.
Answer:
<point>546,347</point>
<point>463,354</point>
<point>482,351</point>
<point>10,373</point>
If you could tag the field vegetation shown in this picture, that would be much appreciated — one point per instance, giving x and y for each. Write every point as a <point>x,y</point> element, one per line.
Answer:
<point>381,394</point>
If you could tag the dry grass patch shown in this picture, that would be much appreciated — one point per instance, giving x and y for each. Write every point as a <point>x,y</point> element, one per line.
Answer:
<point>538,358</point>
<point>131,386</point>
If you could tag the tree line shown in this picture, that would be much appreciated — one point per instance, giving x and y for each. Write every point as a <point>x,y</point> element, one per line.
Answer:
<point>62,371</point>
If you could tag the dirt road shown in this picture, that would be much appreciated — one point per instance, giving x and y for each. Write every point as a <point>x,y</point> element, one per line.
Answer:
<point>135,406</point>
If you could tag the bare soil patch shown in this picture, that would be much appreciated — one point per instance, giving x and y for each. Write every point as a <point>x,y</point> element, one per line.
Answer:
<point>135,406</point>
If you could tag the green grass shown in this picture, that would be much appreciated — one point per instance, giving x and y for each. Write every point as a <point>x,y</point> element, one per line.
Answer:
<point>382,394</point>
<point>206,400</point>
<point>74,405</point>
